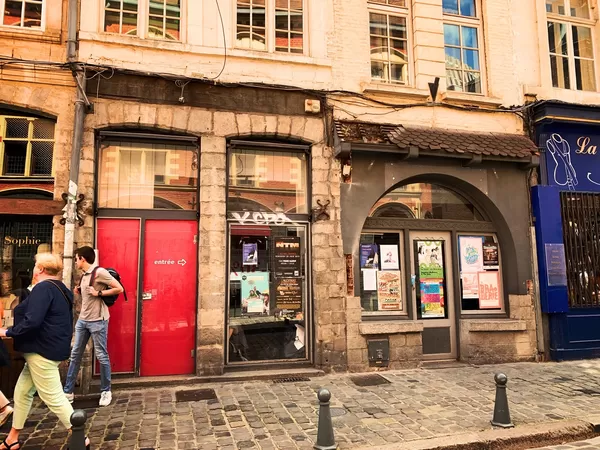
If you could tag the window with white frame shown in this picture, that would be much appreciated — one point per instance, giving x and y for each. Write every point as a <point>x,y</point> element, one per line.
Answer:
<point>388,35</point>
<point>155,19</point>
<point>570,42</point>
<point>22,13</point>
<point>270,25</point>
<point>462,25</point>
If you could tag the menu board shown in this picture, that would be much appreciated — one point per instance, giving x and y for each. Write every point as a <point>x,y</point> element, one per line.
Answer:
<point>288,294</point>
<point>287,257</point>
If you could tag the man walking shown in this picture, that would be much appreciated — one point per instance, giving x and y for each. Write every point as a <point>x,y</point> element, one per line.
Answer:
<point>93,321</point>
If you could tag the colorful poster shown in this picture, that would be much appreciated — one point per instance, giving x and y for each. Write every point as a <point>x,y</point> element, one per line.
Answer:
<point>470,285</point>
<point>288,294</point>
<point>369,258</point>
<point>369,279</point>
<point>432,299</point>
<point>250,254</point>
<point>490,256</point>
<point>287,257</point>
<point>489,290</point>
<point>430,258</point>
<point>255,293</point>
<point>389,257</point>
<point>471,254</point>
<point>389,290</point>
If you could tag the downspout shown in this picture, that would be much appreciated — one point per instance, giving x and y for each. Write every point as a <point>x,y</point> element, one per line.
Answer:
<point>81,104</point>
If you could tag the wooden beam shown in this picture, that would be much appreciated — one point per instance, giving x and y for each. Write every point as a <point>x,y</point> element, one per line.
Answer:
<point>38,207</point>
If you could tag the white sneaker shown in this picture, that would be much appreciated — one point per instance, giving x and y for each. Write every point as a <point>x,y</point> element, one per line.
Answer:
<point>4,415</point>
<point>70,397</point>
<point>105,398</point>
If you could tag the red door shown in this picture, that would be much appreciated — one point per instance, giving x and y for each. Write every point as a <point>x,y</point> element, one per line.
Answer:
<point>167,303</point>
<point>169,298</point>
<point>118,243</point>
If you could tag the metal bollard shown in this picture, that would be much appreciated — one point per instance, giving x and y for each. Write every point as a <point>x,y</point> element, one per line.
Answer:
<point>325,438</point>
<point>77,441</point>
<point>501,413</point>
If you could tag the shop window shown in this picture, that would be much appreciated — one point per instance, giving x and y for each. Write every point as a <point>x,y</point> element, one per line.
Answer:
<point>22,13</point>
<point>388,34</point>
<point>145,175</point>
<point>381,277</point>
<point>425,201</point>
<point>154,19</point>
<point>480,273</point>
<point>26,146</point>
<point>271,25</point>
<point>261,180</point>
<point>571,44</point>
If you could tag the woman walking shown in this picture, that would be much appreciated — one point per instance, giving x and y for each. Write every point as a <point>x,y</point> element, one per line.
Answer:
<point>42,332</point>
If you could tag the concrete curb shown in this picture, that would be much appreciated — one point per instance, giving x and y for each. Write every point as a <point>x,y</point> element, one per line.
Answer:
<point>518,438</point>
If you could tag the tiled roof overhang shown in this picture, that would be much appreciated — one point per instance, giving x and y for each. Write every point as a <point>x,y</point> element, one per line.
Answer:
<point>413,142</point>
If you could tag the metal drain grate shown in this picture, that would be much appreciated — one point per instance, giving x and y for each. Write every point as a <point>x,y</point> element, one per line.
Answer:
<point>369,380</point>
<point>195,395</point>
<point>337,412</point>
<point>291,379</point>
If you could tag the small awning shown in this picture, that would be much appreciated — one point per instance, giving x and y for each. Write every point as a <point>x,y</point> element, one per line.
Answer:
<point>413,142</point>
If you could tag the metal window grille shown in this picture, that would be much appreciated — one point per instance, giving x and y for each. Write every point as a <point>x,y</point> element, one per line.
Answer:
<point>581,232</point>
<point>26,146</point>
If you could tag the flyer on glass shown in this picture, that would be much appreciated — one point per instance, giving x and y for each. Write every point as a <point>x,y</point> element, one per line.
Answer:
<point>287,257</point>
<point>255,293</point>
<point>388,290</point>
<point>369,258</point>
<point>471,254</point>
<point>430,258</point>
<point>490,256</point>
<point>288,294</point>
<point>470,285</point>
<point>489,290</point>
<point>432,299</point>
<point>389,257</point>
<point>369,279</point>
<point>250,254</point>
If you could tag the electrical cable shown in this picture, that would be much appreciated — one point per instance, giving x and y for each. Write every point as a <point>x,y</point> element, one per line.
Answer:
<point>224,43</point>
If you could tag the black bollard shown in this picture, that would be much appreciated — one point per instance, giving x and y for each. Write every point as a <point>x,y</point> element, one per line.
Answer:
<point>77,441</point>
<point>501,413</point>
<point>325,438</point>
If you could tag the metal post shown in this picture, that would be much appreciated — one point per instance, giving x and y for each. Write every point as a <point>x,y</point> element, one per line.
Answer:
<point>501,413</point>
<point>325,438</point>
<point>77,441</point>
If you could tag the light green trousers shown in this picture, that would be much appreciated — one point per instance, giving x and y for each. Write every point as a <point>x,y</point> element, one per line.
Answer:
<point>41,375</point>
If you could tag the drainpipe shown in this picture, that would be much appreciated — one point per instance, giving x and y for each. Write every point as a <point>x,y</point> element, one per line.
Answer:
<point>81,104</point>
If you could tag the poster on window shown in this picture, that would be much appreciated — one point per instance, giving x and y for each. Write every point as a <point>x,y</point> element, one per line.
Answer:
<point>255,293</point>
<point>470,285</point>
<point>490,256</point>
<point>471,254</point>
<point>489,290</point>
<point>432,299</point>
<point>388,290</point>
<point>288,294</point>
<point>287,257</point>
<point>250,254</point>
<point>430,258</point>
<point>369,279</point>
<point>369,258</point>
<point>389,257</point>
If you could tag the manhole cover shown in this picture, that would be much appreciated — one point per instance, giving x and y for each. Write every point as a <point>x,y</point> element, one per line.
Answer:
<point>195,395</point>
<point>290,379</point>
<point>369,380</point>
<point>337,412</point>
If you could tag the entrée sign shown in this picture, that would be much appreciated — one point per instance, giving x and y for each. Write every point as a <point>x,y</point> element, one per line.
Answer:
<point>261,218</point>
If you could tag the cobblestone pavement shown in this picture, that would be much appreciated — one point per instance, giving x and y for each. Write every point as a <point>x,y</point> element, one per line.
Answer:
<point>591,444</point>
<point>416,404</point>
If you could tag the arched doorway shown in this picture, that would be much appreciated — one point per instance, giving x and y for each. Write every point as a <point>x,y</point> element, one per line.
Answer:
<point>431,254</point>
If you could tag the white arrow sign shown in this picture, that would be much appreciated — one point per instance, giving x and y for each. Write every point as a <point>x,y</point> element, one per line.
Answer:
<point>182,262</point>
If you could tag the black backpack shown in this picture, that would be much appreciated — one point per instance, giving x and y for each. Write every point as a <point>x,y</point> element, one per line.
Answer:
<point>109,300</point>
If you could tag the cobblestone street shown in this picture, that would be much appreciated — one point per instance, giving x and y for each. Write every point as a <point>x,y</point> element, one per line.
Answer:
<point>415,404</point>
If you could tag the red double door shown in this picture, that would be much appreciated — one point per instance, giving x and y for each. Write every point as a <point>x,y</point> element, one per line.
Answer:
<point>154,332</point>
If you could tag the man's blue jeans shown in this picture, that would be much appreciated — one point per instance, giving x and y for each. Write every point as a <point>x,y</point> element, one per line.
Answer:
<point>98,330</point>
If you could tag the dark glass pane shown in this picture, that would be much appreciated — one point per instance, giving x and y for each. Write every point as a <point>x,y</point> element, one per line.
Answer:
<point>243,16</point>
<point>559,67</point>
<point>282,41</point>
<point>467,8</point>
<point>296,43</point>
<point>111,21</point>
<point>43,129</point>
<point>472,82</point>
<point>15,156</point>
<point>258,17</point>
<point>582,42</point>
<point>585,74</point>
<point>397,27</point>
<point>557,38</point>
<point>297,21</point>
<point>469,37</point>
<point>129,5</point>
<point>41,158</point>
<point>129,24</point>
<point>378,70</point>
<point>173,28</point>
<point>471,59</point>
<point>282,22</point>
<point>379,48</point>
<point>399,73</point>
<point>33,15</point>
<point>12,12</point>
<point>378,24</point>
<point>17,128</point>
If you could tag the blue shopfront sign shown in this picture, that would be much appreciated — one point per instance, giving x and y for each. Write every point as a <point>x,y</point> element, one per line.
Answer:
<point>571,156</point>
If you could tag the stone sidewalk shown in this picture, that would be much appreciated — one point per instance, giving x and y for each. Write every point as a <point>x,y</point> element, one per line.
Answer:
<point>409,405</point>
<point>590,444</point>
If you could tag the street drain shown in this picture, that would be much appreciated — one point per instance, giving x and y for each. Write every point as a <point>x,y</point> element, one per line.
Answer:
<point>195,395</point>
<point>290,379</point>
<point>337,412</point>
<point>369,380</point>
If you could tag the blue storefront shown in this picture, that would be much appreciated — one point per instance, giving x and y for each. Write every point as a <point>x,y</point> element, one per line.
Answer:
<point>566,211</point>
